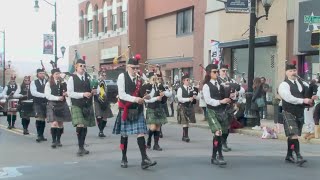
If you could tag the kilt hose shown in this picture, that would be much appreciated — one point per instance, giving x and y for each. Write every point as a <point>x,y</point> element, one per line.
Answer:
<point>292,124</point>
<point>154,117</point>
<point>126,127</point>
<point>78,118</point>
<point>185,115</point>
<point>64,117</point>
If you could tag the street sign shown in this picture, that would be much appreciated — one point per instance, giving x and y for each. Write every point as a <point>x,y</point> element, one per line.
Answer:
<point>311,19</point>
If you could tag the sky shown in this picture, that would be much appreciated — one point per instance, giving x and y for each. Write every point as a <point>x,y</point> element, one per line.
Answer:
<point>25,28</point>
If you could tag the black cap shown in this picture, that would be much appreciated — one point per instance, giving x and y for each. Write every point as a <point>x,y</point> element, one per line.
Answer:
<point>211,66</point>
<point>133,61</point>
<point>40,70</point>
<point>150,74</point>
<point>55,70</point>
<point>224,66</point>
<point>80,61</point>
<point>290,66</point>
<point>185,76</point>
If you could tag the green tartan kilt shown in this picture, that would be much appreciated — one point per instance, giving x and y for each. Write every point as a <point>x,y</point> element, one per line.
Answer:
<point>218,121</point>
<point>152,118</point>
<point>77,117</point>
<point>185,115</point>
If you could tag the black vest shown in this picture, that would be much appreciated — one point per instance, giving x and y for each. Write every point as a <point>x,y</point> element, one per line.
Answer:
<point>156,104</point>
<point>216,94</point>
<point>295,109</point>
<point>130,87</point>
<point>40,89</point>
<point>11,89</point>
<point>81,87</point>
<point>185,94</point>
<point>25,90</point>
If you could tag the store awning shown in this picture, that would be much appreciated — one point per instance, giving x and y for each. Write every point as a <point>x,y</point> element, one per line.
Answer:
<point>167,60</point>
<point>244,43</point>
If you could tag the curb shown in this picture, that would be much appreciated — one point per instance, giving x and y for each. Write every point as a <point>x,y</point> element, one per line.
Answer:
<point>250,132</point>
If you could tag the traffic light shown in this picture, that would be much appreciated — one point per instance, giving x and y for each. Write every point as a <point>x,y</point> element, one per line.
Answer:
<point>315,39</point>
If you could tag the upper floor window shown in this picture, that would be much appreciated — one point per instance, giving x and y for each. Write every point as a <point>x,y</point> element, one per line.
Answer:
<point>105,17</point>
<point>185,22</point>
<point>114,15</point>
<point>124,13</point>
<point>90,21</point>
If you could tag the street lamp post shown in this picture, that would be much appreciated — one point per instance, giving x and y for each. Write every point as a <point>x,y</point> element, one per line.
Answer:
<point>53,26</point>
<point>250,114</point>
<point>4,57</point>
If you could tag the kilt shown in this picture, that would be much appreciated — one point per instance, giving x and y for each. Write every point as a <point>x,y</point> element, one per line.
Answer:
<point>40,110</point>
<point>292,125</point>
<point>185,115</point>
<point>51,117</point>
<point>152,118</point>
<point>77,117</point>
<point>129,127</point>
<point>26,110</point>
<point>104,113</point>
<point>218,121</point>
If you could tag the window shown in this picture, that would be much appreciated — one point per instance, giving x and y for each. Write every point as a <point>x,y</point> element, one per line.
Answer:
<point>97,25</point>
<point>114,15</point>
<point>105,17</point>
<point>124,19</point>
<point>185,22</point>
<point>90,28</point>
<point>90,21</point>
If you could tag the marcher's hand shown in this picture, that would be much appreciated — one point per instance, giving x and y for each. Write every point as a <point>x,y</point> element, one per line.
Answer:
<point>94,91</point>
<point>138,100</point>
<point>233,95</point>
<point>65,94</point>
<point>191,99</point>
<point>159,98</point>
<point>314,97</point>
<point>61,98</point>
<point>87,94</point>
<point>307,101</point>
<point>161,93</point>
<point>225,101</point>
<point>147,97</point>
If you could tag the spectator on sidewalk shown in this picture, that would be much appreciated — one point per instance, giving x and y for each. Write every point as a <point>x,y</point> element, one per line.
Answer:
<point>265,89</point>
<point>256,99</point>
<point>171,99</point>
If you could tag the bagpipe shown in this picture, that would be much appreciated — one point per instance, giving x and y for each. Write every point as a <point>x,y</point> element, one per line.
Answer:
<point>228,86</point>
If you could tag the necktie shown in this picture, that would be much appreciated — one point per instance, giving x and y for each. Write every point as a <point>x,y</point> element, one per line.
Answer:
<point>134,80</point>
<point>82,78</point>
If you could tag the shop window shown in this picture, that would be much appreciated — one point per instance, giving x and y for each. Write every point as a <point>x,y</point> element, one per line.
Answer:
<point>185,22</point>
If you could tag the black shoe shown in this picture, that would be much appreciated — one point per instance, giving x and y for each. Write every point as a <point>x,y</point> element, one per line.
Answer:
<point>160,135</point>
<point>124,164</point>
<point>80,152</point>
<point>157,147</point>
<point>85,151</point>
<point>221,161</point>
<point>300,161</point>
<point>25,132</point>
<point>13,127</point>
<point>146,163</point>
<point>290,159</point>
<point>225,147</point>
<point>148,146</point>
<point>38,139</point>
<point>214,161</point>
<point>42,138</point>
<point>59,144</point>
<point>9,127</point>
<point>186,139</point>
<point>101,134</point>
<point>54,145</point>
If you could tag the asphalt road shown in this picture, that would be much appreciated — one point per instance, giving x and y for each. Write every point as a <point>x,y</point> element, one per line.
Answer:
<point>251,158</point>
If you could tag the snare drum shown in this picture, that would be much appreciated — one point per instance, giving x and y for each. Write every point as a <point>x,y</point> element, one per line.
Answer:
<point>12,105</point>
<point>26,108</point>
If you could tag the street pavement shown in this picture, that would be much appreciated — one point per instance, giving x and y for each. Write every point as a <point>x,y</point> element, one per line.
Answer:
<point>21,158</point>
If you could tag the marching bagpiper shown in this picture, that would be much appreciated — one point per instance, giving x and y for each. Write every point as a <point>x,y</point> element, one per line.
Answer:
<point>292,92</point>
<point>82,109</point>
<point>26,108</point>
<point>130,119</point>
<point>185,111</point>
<point>101,104</point>
<point>8,93</point>
<point>214,96</point>
<point>39,103</point>
<point>155,113</point>
<point>231,87</point>
<point>57,109</point>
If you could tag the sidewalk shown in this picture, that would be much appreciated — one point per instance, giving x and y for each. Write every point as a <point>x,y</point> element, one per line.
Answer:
<point>247,131</point>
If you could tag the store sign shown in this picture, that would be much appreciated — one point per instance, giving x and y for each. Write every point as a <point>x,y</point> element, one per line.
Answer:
<point>237,6</point>
<point>309,21</point>
<point>109,53</point>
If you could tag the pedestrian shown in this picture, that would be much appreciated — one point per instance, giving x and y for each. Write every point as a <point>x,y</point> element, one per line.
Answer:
<point>292,91</point>
<point>8,93</point>
<point>39,103</point>
<point>81,94</point>
<point>26,103</point>
<point>130,119</point>
<point>258,100</point>
<point>202,103</point>
<point>102,104</point>
<point>171,100</point>
<point>265,89</point>
<point>57,108</point>
<point>216,104</point>
<point>185,111</point>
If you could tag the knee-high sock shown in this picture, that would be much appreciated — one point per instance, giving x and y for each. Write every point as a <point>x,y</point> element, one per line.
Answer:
<point>156,137</point>
<point>219,146</point>
<point>54,132</point>
<point>99,123</point>
<point>59,133</point>
<point>24,123</point>
<point>9,119</point>
<point>185,132</point>
<point>103,125</point>
<point>225,137</point>
<point>14,118</point>
<point>290,147</point>
<point>215,144</point>
<point>296,146</point>
<point>142,146</point>
<point>150,137</point>
<point>38,126</point>
<point>123,147</point>
<point>85,131</point>
<point>80,132</point>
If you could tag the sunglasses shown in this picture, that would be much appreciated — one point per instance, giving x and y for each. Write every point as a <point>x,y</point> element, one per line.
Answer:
<point>82,65</point>
<point>135,68</point>
<point>187,80</point>
<point>215,72</point>
<point>224,70</point>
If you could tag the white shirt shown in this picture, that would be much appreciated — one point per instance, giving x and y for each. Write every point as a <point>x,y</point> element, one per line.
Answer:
<point>47,92</point>
<point>121,89</point>
<point>153,99</point>
<point>202,102</point>
<point>33,89</point>
<point>285,93</point>
<point>70,90</point>
<point>179,95</point>
<point>206,94</point>
<point>5,90</point>
<point>17,93</point>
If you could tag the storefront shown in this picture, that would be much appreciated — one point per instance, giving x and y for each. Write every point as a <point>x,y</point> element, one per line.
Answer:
<point>309,62</point>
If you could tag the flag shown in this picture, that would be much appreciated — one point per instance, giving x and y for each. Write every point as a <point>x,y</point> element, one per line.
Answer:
<point>47,44</point>
<point>215,53</point>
